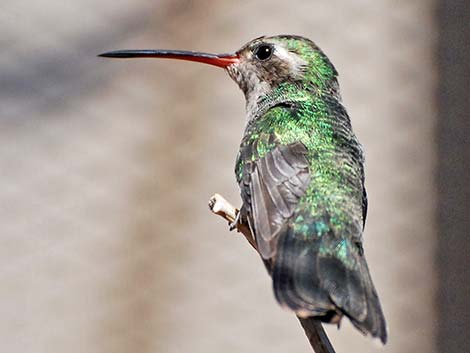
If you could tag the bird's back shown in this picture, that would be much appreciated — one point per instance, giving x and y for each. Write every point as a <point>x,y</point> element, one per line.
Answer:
<point>300,169</point>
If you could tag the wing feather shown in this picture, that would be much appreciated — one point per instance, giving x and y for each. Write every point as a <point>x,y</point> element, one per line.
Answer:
<point>278,181</point>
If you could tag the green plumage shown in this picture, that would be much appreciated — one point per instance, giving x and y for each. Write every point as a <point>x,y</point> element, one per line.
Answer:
<point>334,155</point>
<point>300,170</point>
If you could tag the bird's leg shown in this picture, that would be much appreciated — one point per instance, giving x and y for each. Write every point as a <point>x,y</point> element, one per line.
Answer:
<point>234,225</point>
<point>220,206</point>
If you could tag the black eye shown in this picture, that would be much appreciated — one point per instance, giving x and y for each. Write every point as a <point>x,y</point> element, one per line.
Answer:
<point>263,52</point>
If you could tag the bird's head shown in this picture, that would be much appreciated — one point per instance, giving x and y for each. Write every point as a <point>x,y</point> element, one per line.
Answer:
<point>266,63</point>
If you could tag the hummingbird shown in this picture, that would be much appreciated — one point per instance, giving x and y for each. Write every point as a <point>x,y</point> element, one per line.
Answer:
<point>300,169</point>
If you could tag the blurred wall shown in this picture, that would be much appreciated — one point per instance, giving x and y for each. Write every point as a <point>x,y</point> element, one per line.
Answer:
<point>107,243</point>
<point>452,134</point>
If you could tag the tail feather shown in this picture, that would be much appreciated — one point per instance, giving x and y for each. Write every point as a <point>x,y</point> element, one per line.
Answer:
<point>311,278</point>
<point>374,322</point>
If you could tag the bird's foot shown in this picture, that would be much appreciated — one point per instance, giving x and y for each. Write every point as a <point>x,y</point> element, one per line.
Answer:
<point>235,223</point>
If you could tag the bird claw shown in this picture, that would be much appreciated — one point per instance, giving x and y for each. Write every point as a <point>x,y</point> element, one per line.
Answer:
<point>234,225</point>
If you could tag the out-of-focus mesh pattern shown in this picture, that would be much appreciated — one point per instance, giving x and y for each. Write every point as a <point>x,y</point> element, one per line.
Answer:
<point>107,244</point>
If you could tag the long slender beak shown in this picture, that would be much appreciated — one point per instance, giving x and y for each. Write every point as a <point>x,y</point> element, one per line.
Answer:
<point>220,60</point>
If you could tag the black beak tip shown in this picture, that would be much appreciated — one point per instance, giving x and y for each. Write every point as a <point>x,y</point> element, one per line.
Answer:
<point>105,55</point>
<point>114,54</point>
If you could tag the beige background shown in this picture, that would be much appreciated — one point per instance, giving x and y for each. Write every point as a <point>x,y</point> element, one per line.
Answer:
<point>107,244</point>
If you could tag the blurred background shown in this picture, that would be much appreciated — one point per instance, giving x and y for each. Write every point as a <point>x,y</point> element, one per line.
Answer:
<point>107,244</point>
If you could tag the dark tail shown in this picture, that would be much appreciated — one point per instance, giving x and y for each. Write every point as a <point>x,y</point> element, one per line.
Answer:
<point>374,322</point>
<point>314,279</point>
<point>316,335</point>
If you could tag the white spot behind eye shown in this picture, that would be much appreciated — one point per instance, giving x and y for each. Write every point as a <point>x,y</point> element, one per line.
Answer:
<point>295,62</point>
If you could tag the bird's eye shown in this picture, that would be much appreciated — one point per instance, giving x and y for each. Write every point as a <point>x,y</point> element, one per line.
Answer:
<point>263,52</point>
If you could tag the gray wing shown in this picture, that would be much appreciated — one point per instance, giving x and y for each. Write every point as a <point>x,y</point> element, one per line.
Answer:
<point>278,181</point>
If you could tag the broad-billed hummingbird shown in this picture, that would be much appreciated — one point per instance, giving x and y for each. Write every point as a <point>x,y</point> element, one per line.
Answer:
<point>301,175</point>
